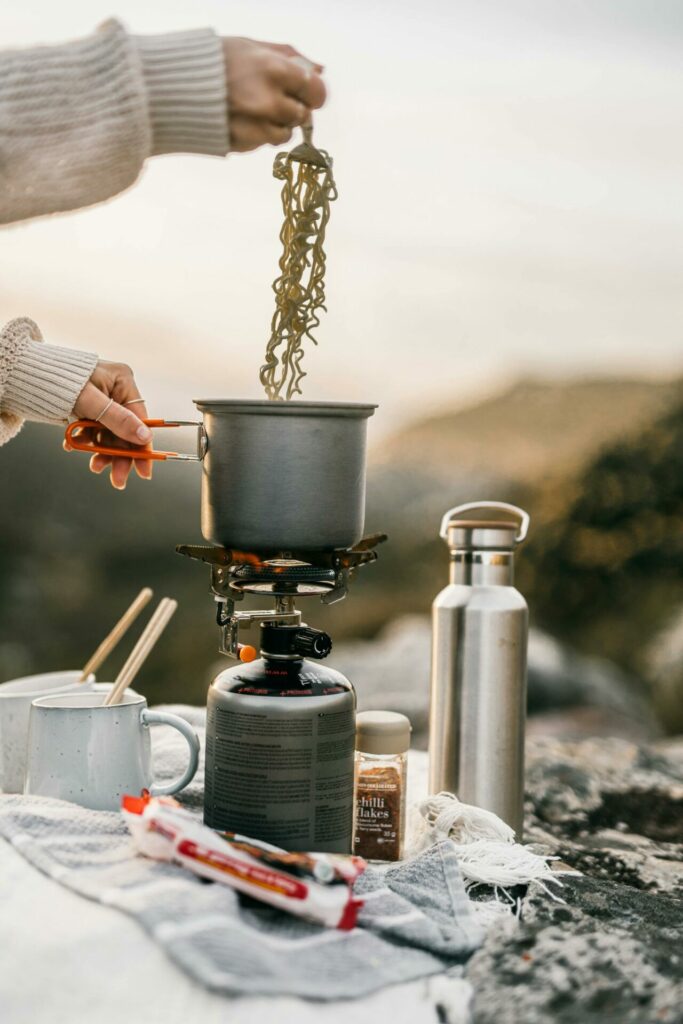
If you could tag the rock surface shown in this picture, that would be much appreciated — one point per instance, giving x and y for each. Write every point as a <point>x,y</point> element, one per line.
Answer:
<point>613,950</point>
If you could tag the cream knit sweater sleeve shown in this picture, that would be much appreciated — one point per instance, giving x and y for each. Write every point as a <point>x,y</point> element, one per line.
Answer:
<point>77,122</point>
<point>37,381</point>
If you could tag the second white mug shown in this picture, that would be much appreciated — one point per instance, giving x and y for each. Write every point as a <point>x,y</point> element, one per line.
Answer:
<point>16,697</point>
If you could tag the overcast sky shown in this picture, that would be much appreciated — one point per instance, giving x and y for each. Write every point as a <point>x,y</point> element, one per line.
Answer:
<point>510,179</point>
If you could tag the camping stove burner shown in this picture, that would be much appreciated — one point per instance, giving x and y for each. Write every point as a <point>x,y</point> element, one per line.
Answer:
<point>282,575</point>
<point>301,573</point>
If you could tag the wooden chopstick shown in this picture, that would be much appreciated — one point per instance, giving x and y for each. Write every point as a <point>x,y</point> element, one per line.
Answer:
<point>119,630</point>
<point>153,630</point>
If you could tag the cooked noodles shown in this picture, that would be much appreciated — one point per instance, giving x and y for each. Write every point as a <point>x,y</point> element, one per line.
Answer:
<point>307,192</point>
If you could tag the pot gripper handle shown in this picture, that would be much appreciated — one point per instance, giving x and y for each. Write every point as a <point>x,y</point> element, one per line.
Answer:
<point>87,443</point>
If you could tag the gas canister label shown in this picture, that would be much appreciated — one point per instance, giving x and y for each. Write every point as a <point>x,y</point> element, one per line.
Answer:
<point>283,776</point>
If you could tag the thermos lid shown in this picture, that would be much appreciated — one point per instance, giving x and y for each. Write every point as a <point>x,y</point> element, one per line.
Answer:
<point>382,732</point>
<point>482,535</point>
<point>479,533</point>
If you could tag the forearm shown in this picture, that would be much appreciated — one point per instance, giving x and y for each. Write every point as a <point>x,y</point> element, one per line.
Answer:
<point>77,121</point>
<point>37,381</point>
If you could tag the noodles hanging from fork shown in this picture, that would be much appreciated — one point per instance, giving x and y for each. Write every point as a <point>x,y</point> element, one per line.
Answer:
<point>307,192</point>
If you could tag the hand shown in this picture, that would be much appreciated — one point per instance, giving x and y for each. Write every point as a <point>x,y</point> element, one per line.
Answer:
<point>115,380</point>
<point>268,93</point>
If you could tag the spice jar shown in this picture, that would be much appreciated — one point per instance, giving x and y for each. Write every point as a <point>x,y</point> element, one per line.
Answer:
<point>382,742</point>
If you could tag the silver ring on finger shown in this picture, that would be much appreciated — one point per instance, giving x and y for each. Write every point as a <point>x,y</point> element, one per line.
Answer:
<point>134,401</point>
<point>105,410</point>
<point>305,64</point>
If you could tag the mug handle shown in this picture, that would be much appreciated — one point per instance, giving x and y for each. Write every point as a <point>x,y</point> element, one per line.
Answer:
<point>148,717</point>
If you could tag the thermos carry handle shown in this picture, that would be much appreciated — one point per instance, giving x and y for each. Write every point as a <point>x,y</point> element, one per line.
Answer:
<point>93,448</point>
<point>519,513</point>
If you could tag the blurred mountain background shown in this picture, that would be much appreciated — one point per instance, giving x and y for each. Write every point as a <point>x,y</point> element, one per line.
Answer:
<point>508,211</point>
<point>598,463</point>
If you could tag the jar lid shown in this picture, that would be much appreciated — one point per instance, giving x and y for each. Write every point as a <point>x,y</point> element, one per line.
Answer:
<point>382,732</point>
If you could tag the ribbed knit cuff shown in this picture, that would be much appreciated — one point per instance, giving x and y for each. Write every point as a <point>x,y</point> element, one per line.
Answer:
<point>184,76</point>
<point>46,380</point>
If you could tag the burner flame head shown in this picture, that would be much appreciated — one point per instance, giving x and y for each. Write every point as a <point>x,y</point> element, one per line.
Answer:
<point>246,558</point>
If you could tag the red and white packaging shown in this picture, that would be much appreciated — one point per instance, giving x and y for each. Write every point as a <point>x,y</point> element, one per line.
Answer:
<point>315,886</point>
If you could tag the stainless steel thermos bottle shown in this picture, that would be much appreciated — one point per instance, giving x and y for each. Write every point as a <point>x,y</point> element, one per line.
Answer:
<point>478,671</point>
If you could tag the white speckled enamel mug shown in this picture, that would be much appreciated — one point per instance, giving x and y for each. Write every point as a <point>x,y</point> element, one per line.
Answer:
<point>82,751</point>
<point>16,697</point>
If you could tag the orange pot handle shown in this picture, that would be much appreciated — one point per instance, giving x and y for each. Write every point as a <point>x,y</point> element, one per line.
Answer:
<point>93,448</point>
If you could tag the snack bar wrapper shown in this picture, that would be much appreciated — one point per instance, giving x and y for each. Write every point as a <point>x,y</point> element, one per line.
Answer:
<point>317,886</point>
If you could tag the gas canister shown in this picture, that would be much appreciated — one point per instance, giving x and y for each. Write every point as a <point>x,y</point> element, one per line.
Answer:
<point>280,745</point>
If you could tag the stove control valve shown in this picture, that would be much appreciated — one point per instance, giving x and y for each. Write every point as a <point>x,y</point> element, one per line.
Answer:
<point>312,643</point>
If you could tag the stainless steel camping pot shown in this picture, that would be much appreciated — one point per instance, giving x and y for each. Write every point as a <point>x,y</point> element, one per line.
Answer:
<point>274,474</point>
<point>478,672</point>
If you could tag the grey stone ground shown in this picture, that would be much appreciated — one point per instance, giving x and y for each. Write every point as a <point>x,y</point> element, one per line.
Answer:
<point>613,951</point>
<point>610,806</point>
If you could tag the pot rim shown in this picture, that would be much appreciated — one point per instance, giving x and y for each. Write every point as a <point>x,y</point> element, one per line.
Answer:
<point>265,406</point>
